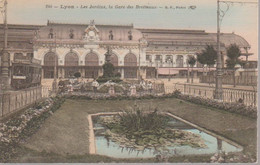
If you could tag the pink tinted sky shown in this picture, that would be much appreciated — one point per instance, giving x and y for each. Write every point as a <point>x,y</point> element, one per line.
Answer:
<point>241,19</point>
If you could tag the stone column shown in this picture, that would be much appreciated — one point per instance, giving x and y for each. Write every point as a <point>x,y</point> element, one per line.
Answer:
<point>185,60</point>
<point>122,73</point>
<point>83,72</point>
<point>42,73</point>
<point>63,73</point>
<point>164,64</point>
<point>59,72</point>
<point>174,57</point>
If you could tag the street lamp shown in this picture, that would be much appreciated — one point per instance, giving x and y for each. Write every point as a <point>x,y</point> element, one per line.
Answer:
<point>5,54</point>
<point>169,61</point>
<point>220,16</point>
<point>218,87</point>
<point>188,71</point>
<point>54,85</point>
<point>139,61</point>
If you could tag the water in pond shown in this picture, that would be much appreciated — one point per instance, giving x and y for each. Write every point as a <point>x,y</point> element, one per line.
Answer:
<point>110,148</point>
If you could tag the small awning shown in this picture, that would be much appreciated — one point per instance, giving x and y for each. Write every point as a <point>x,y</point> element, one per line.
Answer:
<point>167,71</point>
<point>172,71</point>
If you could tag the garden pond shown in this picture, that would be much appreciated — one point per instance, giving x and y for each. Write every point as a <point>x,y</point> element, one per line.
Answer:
<point>187,140</point>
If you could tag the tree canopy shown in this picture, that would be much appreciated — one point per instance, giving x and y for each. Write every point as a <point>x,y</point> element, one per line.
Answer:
<point>233,54</point>
<point>77,74</point>
<point>192,60</point>
<point>207,56</point>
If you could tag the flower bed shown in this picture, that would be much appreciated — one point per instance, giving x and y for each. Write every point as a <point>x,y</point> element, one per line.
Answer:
<point>238,108</point>
<point>24,125</point>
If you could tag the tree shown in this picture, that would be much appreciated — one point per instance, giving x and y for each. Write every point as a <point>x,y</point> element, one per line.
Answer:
<point>77,74</point>
<point>233,54</point>
<point>191,61</point>
<point>207,56</point>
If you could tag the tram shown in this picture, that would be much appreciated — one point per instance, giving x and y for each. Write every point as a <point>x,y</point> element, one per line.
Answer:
<point>26,73</point>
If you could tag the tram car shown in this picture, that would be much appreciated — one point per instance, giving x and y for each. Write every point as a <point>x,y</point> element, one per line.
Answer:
<point>26,73</point>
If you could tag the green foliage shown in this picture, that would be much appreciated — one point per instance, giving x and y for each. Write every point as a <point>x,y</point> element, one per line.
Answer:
<point>77,74</point>
<point>207,56</point>
<point>118,74</point>
<point>138,121</point>
<point>192,60</point>
<point>108,69</point>
<point>233,53</point>
<point>105,79</point>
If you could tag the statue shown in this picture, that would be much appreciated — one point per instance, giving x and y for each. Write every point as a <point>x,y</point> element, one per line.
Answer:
<point>108,54</point>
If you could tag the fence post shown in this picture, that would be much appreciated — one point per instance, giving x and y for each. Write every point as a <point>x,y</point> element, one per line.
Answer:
<point>254,98</point>
<point>9,102</point>
<point>1,104</point>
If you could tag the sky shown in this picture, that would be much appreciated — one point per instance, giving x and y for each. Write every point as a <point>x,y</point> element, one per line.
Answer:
<point>240,18</point>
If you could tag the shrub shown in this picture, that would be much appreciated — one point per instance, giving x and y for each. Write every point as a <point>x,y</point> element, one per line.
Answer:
<point>118,74</point>
<point>77,74</point>
<point>105,79</point>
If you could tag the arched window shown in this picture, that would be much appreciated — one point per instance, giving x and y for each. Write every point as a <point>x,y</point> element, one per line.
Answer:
<point>49,59</point>
<point>130,60</point>
<point>71,59</point>
<point>49,62</point>
<point>91,59</point>
<point>130,70</point>
<point>114,60</point>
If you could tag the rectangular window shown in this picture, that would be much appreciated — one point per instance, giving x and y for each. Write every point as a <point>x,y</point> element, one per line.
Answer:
<point>158,58</point>
<point>148,58</point>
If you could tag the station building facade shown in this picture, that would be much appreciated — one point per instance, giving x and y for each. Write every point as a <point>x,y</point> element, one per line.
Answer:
<point>81,48</point>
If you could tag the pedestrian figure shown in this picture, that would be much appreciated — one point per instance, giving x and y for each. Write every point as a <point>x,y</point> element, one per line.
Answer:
<point>70,88</point>
<point>150,87</point>
<point>95,85</point>
<point>132,90</point>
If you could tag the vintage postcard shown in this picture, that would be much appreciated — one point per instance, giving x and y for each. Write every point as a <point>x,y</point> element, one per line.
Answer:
<point>117,81</point>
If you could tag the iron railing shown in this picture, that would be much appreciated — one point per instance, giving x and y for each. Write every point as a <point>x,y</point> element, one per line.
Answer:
<point>230,95</point>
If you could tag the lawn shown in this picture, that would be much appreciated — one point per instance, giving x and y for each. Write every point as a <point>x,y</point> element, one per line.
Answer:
<point>64,136</point>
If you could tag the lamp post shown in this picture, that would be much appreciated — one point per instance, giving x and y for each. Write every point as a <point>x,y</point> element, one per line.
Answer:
<point>139,61</point>
<point>169,61</point>
<point>157,68</point>
<point>188,71</point>
<point>220,16</point>
<point>5,55</point>
<point>54,85</point>
<point>218,87</point>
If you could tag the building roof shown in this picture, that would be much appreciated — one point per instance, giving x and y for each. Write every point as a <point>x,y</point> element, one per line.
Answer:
<point>231,38</point>
<point>19,35</point>
<point>120,32</point>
